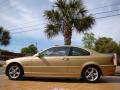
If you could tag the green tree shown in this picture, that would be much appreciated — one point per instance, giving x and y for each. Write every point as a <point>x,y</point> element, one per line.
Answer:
<point>119,45</point>
<point>30,50</point>
<point>106,45</point>
<point>119,54</point>
<point>66,16</point>
<point>89,40</point>
<point>4,37</point>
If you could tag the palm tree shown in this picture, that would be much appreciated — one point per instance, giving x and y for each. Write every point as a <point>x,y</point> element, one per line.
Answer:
<point>66,16</point>
<point>4,37</point>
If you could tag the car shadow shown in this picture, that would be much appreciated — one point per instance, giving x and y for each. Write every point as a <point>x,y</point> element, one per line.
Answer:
<point>60,80</point>
<point>110,79</point>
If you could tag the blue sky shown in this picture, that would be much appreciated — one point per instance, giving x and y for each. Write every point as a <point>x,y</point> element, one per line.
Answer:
<point>18,14</point>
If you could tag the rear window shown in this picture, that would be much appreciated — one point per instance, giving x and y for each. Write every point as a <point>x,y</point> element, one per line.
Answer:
<point>78,52</point>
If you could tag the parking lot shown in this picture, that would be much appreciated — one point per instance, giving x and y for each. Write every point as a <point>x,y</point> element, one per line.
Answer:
<point>109,83</point>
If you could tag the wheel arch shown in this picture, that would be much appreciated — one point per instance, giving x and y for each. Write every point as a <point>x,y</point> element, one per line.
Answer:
<point>12,64</point>
<point>87,65</point>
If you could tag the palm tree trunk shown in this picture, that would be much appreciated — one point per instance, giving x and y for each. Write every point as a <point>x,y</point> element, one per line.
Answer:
<point>67,35</point>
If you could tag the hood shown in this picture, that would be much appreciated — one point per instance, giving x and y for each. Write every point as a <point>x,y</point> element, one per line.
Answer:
<point>20,59</point>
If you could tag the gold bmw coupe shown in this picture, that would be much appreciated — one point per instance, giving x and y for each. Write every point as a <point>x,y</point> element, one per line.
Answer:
<point>63,61</point>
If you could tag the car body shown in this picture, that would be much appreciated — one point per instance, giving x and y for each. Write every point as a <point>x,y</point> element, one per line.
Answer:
<point>63,61</point>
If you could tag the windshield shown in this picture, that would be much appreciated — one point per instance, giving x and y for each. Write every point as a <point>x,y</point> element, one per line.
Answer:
<point>37,54</point>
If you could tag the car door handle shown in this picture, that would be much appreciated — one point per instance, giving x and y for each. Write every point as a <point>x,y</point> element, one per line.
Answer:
<point>66,59</point>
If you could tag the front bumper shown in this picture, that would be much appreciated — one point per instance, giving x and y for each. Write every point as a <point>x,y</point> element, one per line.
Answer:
<point>4,69</point>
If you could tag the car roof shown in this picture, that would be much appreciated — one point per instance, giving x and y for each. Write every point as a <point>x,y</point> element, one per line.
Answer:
<point>92,52</point>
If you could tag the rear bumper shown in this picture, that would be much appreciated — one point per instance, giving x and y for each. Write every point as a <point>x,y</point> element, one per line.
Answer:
<point>108,70</point>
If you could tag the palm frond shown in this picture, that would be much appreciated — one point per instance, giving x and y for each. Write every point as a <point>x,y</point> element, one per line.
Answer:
<point>53,16</point>
<point>52,30</point>
<point>81,12</point>
<point>75,4</point>
<point>68,13</point>
<point>5,38</point>
<point>1,30</point>
<point>63,8</point>
<point>84,24</point>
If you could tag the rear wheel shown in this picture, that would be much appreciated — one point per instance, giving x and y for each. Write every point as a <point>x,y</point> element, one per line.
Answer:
<point>91,74</point>
<point>15,72</point>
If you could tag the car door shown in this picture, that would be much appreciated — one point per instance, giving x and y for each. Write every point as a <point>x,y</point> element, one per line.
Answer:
<point>52,63</point>
<point>77,57</point>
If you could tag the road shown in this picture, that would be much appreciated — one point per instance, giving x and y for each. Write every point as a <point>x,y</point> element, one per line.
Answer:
<point>109,83</point>
<point>1,71</point>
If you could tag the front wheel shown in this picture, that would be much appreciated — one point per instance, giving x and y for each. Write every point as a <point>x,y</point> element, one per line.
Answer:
<point>14,72</point>
<point>91,74</point>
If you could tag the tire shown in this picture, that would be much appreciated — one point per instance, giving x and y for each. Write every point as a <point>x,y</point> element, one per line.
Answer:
<point>15,72</point>
<point>91,74</point>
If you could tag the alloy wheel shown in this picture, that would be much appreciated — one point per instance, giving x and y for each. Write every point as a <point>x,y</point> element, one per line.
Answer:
<point>14,72</point>
<point>91,74</point>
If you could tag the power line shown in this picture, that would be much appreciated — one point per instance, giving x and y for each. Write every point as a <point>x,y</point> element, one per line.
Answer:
<point>42,28</point>
<point>5,1</point>
<point>26,27</point>
<point>90,9</point>
<point>93,14</point>
<point>106,11</point>
<point>45,23</point>
<point>39,24</point>
<point>12,29</point>
<point>26,31</point>
<point>26,23</point>
<point>108,16</point>
<point>105,6</point>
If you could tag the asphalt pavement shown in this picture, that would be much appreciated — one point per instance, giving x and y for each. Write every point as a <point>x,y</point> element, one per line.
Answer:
<point>108,83</point>
<point>1,71</point>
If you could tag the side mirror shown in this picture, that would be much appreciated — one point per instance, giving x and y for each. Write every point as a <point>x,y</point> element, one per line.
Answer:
<point>40,55</point>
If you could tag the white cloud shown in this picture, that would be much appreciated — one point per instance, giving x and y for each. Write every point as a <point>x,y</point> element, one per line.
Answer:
<point>9,19</point>
<point>36,31</point>
<point>52,0</point>
<point>25,16</point>
<point>108,27</point>
<point>24,12</point>
<point>16,4</point>
<point>103,26</point>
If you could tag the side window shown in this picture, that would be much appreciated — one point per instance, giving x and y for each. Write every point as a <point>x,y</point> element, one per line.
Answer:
<point>48,52</point>
<point>56,51</point>
<point>79,52</point>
